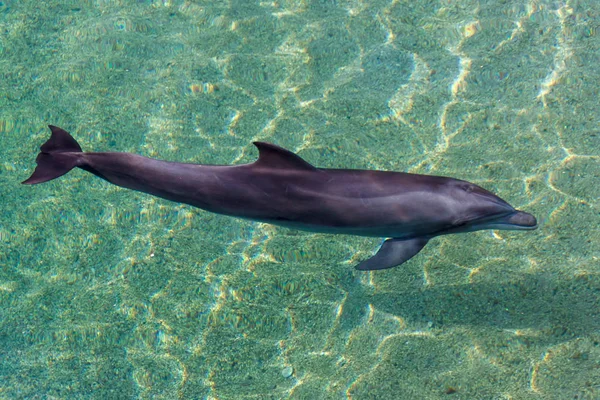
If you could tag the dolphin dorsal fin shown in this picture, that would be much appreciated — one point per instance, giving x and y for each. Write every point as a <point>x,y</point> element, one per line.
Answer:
<point>273,156</point>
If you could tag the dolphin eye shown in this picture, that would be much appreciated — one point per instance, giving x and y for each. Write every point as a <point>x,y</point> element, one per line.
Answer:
<point>468,188</point>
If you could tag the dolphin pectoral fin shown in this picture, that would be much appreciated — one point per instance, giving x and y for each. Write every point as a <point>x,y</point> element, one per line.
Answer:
<point>392,253</point>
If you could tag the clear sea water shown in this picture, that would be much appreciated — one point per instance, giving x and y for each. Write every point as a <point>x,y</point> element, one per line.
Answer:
<point>107,293</point>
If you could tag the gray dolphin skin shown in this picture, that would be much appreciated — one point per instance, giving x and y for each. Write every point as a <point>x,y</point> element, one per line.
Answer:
<point>281,188</point>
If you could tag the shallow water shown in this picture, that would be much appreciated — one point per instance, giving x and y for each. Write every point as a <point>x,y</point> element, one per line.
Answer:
<point>111,294</point>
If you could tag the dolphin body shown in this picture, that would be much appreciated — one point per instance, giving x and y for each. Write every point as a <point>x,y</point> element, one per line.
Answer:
<point>281,188</point>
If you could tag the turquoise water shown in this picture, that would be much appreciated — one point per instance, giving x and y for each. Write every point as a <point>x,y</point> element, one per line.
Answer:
<point>110,294</point>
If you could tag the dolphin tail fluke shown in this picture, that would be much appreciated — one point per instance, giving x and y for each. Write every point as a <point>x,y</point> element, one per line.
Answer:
<point>56,157</point>
<point>392,253</point>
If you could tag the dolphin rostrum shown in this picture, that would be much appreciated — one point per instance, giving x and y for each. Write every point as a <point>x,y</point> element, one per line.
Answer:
<point>281,188</point>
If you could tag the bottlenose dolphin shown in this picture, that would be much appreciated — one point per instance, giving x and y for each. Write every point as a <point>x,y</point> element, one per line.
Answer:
<point>281,188</point>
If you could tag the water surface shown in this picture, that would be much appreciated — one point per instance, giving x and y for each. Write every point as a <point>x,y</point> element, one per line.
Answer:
<point>111,294</point>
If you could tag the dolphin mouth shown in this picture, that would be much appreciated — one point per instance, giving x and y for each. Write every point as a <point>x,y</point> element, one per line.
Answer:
<point>517,220</point>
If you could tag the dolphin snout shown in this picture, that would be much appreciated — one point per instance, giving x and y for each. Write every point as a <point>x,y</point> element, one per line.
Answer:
<point>522,220</point>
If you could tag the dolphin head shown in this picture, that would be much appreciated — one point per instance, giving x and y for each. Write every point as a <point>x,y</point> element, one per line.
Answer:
<point>478,209</point>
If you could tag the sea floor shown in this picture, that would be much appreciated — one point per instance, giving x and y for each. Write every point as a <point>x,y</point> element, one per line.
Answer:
<point>112,294</point>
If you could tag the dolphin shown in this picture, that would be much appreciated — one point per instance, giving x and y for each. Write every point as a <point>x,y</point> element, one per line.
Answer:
<point>281,188</point>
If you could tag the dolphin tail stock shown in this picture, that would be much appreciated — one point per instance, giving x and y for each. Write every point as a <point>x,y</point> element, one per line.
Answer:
<point>392,253</point>
<point>55,158</point>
